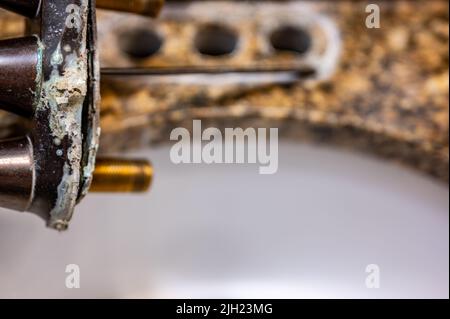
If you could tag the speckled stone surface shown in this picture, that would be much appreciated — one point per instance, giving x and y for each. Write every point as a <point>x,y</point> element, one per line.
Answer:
<point>388,95</point>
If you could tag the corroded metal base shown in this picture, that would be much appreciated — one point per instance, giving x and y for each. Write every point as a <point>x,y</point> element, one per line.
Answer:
<point>61,95</point>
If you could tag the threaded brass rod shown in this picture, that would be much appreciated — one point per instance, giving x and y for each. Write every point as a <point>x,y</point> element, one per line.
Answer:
<point>149,8</point>
<point>121,176</point>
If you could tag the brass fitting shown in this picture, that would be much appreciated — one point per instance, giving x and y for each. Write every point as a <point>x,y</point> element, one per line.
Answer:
<point>149,8</point>
<point>121,175</point>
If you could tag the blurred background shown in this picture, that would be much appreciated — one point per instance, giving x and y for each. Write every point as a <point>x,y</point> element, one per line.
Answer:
<point>224,231</point>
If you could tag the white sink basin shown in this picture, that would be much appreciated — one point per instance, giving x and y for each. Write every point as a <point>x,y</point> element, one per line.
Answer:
<point>225,231</point>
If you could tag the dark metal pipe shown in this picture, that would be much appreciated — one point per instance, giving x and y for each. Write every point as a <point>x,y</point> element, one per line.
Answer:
<point>20,75</point>
<point>28,8</point>
<point>16,174</point>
